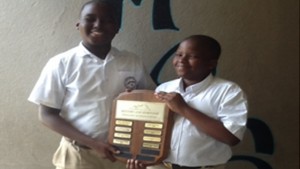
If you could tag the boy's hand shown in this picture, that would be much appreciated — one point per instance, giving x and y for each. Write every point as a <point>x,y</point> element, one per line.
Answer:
<point>174,101</point>
<point>106,150</point>
<point>135,164</point>
<point>128,90</point>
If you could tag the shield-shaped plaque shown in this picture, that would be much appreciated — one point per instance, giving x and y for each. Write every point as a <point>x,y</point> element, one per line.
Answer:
<point>140,127</point>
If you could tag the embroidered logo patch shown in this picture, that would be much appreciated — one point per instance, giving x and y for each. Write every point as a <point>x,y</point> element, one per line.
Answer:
<point>130,83</point>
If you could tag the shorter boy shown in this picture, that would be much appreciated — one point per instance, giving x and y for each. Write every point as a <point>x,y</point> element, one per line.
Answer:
<point>210,112</point>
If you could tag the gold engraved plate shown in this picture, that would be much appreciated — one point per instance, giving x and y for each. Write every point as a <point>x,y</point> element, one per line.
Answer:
<point>139,110</point>
<point>123,142</point>
<point>152,139</point>
<point>123,129</point>
<point>151,145</point>
<point>152,132</point>
<point>123,123</point>
<point>154,125</point>
<point>122,135</point>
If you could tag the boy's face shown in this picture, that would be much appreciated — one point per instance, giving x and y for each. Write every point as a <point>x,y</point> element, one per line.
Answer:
<point>191,62</point>
<point>97,25</point>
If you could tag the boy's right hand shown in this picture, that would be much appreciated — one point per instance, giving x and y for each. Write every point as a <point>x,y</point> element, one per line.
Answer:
<point>134,164</point>
<point>106,150</point>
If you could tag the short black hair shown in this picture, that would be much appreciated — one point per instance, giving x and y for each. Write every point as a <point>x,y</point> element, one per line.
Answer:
<point>208,43</point>
<point>112,4</point>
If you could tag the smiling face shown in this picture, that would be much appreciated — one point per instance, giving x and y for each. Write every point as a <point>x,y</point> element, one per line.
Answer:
<point>192,61</point>
<point>97,25</point>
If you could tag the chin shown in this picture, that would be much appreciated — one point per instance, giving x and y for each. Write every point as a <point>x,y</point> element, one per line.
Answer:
<point>97,43</point>
<point>180,73</point>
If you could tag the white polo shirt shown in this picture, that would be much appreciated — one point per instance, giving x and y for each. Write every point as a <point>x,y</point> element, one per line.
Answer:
<point>83,86</point>
<point>217,98</point>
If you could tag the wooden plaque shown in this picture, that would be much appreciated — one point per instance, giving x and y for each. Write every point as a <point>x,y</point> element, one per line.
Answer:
<point>140,127</point>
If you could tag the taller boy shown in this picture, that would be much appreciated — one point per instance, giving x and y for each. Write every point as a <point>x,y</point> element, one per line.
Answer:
<point>76,88</point>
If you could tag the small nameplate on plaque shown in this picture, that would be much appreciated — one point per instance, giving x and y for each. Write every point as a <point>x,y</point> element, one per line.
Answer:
<point>124,123</point>
<point>153,125</point>
<point>123,142</point>
<point>122,135</point>
<point>151,145</point>
<point>153,139</point>
<point>152,132</point>
<point>123,129</point>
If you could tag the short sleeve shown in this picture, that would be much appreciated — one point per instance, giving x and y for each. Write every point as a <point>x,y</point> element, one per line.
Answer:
<point>233,111</point>
<point>49,90</point>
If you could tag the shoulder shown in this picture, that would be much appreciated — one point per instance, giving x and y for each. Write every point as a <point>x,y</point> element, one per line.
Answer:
<point>220,82</point>
<point>224,87</point>
<point>64,57</point>
<point>168,86</point>
<point>66,54</point>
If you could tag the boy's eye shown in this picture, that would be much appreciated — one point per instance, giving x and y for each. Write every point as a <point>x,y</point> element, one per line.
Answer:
<point>107,20</point>
<point>193,57</point>
<point>89,19</point>
<point>93,19</point>
<point>187,56</point>
<point>178,54</point>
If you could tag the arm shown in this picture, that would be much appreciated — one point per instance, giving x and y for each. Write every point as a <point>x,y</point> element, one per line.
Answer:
<point>208,125</point>
<point>50,117</point>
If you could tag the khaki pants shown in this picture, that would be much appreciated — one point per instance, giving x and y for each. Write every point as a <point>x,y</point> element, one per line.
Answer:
<point>70,156</point>
<point>165,167</point>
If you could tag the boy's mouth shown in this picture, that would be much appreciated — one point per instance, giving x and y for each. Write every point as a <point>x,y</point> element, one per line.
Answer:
<point>181,66</point>
<point>96,34</point>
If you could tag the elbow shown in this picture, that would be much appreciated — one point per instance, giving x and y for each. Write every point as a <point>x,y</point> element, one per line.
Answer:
<point>234,141</point>
<point>42,117</point>
<point>46,114</point>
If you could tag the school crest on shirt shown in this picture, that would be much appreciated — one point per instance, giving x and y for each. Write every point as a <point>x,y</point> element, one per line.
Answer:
<point>130,83</point>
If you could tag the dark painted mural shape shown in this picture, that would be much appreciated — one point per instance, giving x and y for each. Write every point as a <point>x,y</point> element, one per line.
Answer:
<point>161,14</point>
<point>263,141</point>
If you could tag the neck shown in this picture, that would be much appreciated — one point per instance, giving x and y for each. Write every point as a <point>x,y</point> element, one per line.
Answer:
<point>100,51</point>
<point>188,82</point>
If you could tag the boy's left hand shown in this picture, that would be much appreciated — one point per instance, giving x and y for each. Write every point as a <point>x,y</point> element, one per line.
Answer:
<point>174,101</point>
<point>134,164</point>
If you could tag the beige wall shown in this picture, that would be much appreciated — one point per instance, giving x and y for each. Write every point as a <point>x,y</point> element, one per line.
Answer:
<point>260,42</point>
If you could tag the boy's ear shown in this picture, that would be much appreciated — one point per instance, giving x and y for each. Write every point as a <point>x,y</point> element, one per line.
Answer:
<point>213,63</point>
<point>77,25</point>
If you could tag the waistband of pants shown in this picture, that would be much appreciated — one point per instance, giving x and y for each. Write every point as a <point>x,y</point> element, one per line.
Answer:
<point>175,166</point>
<point>74,142</point>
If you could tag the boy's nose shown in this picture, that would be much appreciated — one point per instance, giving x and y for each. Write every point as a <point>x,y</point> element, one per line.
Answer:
<point>183,58</point>
<point>97,23</point>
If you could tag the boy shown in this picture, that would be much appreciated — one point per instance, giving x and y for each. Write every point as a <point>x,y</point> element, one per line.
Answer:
<point>76,89</point>
<point>210,112</point>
